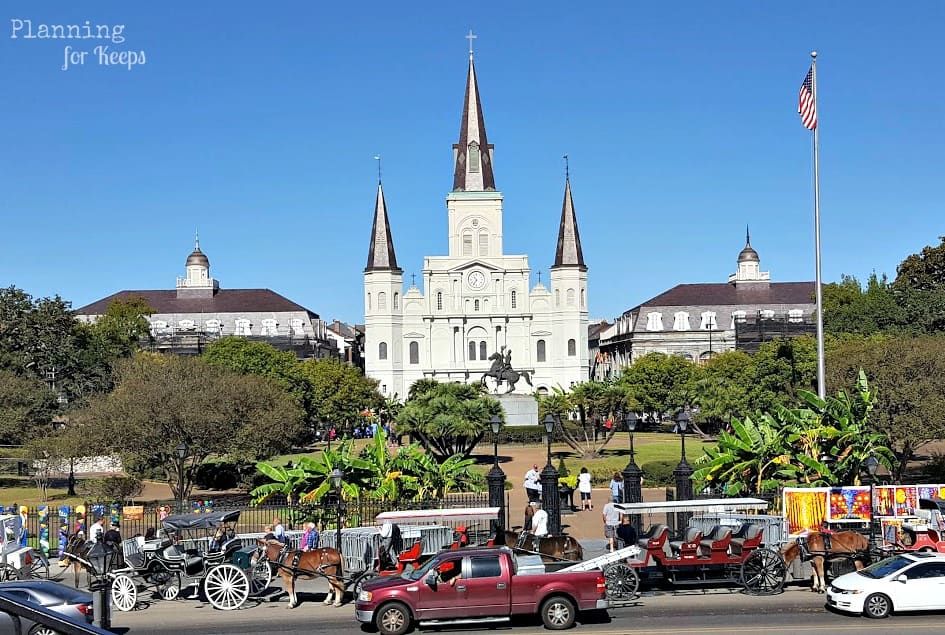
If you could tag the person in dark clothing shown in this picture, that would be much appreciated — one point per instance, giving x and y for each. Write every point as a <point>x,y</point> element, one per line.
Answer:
<point>112,536</point>
<point>626,532</point>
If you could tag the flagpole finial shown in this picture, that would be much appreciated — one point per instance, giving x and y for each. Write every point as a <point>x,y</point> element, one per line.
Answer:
<point>813,54</point>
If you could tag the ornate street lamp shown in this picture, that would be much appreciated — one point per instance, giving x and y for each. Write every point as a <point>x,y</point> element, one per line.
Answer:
<point>872,464</point>
<point>632,474</point>
<point>683,471</point>
<point>182,451</point>
<point>337,479</point>
<point>550,499</point>
<point>102,559</point>
<point>496,479</point>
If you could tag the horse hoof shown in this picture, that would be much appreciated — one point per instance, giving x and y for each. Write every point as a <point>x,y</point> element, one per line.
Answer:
<point>337,604</point>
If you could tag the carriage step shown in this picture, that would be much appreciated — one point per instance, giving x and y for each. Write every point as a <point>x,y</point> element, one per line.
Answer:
<point>465,620</point>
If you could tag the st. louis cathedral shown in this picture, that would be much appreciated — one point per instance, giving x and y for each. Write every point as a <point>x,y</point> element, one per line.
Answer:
<point>475,311</point>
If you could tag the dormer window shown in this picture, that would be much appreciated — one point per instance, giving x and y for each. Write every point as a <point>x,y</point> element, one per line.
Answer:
<point>681,321</point>
<point>654,321</point>
<point>795,316</point>
<point>766,314</point>
<point>473,157</point>
<point>708,321</point>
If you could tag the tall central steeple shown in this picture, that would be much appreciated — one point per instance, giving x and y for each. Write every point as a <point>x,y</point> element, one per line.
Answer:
<point>568,253</point>
<point>473,154</point>
<point>381,254</point>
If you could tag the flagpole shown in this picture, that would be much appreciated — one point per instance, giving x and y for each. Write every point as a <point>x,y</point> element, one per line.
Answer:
<point>821,365</point>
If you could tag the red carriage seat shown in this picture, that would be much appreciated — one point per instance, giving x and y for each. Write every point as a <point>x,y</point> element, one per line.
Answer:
<point>410,556</point>
<point>718,541</point>
<point>655,539</point>
<point>747,538</point>
<point>689,543</point>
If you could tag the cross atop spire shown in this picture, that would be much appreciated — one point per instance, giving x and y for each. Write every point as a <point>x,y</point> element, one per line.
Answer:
<point>471,37</point>
<point>567,171</point>
<point>747,236</point>
<point>473,153</point>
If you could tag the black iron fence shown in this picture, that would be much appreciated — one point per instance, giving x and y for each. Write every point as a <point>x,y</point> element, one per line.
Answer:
<point>43,523</point>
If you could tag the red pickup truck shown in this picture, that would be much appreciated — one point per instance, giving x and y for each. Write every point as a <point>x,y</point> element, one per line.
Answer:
<point>477,586</point>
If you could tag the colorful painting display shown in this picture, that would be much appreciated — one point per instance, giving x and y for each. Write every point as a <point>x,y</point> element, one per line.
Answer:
<point>43,513</point>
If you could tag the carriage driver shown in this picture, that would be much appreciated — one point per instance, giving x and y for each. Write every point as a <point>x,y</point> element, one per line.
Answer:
<point>390,546</point>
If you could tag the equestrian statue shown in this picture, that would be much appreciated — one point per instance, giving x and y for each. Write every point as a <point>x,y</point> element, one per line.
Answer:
<point>502,371</point>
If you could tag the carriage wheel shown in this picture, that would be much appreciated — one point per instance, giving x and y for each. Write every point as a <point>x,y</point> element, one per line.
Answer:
<point>167,584</point>
<point>226,587</point>
<point>360,582</point>
<point>259,577</point>
<point>124,592</point>
<point>40,567</point>
<point>622,581</point>
<point>8,572</point>
<point>763,572</point>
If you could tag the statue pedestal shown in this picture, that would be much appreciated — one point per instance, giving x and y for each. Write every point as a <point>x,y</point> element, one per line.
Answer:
<point>520,410</point>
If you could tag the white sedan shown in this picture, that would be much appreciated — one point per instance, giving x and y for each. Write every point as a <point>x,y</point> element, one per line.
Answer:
<point>907,582</point>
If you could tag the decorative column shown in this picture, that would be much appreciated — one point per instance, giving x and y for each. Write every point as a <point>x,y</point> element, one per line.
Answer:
<point>683,472</point>
<point>632,474</point>
<point>496,480</point>
<point>550,500</point>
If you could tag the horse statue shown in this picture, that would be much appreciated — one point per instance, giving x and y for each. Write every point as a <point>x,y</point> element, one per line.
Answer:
<point>820,547</point>
<point>501,370</point>
<point>555,547</point>
<point>293,564</point>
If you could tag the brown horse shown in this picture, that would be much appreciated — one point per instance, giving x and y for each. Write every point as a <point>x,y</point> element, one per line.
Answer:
<point>556,547</point>
<point>293,564</point>
<point>846,544</point>
<point>76,545</point>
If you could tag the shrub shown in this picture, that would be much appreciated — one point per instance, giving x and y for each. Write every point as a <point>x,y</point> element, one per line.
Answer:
<point>115,489</point>
<point>658,473</point>
<point>562,468</point>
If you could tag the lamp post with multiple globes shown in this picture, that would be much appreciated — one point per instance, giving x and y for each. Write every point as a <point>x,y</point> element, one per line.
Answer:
<point>496,478</point>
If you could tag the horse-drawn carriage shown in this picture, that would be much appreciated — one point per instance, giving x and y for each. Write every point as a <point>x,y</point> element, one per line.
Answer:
<point>731,552</point>
<point>16,561</point>
<point>183,559</point>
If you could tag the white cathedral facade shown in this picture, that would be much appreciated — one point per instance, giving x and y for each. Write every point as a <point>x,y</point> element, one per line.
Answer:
<point>476,300</point>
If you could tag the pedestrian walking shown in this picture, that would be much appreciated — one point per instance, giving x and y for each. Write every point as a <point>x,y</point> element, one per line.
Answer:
<point>584,486</point>
<point>616,487</point>
<point>533,484</point>
<point>611,516</point>
<point>539,521</point>
<point>529,514</point>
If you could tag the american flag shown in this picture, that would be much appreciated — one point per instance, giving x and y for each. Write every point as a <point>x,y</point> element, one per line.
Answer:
<point>807,107</point>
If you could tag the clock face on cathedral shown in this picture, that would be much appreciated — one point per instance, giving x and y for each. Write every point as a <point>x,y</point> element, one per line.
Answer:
<point>476,280</point>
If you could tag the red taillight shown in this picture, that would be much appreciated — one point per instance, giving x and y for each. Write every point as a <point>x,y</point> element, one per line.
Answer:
<point>27,558</point>
<point>601,585</point>
<point>84,609</point>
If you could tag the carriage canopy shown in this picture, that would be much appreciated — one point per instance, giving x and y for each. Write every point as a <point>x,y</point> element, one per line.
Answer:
<point>439,515</point>
<point>200,521</point>
<point>706,505</point>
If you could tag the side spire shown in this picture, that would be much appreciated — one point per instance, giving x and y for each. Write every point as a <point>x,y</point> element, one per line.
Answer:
<point>381,250</point>
<point>569,252</point>
<point>473,153</point>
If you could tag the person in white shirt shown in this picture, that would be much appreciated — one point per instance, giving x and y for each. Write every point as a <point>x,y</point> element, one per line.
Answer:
<point>97,530</point>
<point>539,521</point>
<point>584,486</point>
<point>533,483</point>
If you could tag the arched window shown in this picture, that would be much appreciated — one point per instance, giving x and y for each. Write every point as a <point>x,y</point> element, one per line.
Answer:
<point>439,300</point>
<point>583,299</point>
<point>382,350</point>
<point>270,327</point>
<point>483,244</point>
<point>540,351</point>
<point>570,297</point>
<point>681,321</point>
<point>243,327</point>
<point>369,302</point>
<point>482,351</point>
<point>472,351</point>
<point>708,321</point>
<point>381,301</point>
<point>572,348</point>
<point>467,243</point>
<point>654,321</point>
<point>396,300</point>
<point>414,353</point>
<point>473,157</point>
<point>475,305</point>
<point>557,297</point>
<point>514,299</point>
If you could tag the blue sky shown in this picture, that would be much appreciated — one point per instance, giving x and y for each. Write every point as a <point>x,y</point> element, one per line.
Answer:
<point>257,124</point>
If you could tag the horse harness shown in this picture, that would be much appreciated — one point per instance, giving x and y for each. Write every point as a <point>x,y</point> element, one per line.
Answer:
<point>294,566</point>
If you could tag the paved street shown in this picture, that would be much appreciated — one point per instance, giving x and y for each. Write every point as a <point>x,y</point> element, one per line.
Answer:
<point>689,613</point>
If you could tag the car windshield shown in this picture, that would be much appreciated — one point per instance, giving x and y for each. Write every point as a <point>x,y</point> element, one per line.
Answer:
<point>419,573</point>
<point>885,567</point>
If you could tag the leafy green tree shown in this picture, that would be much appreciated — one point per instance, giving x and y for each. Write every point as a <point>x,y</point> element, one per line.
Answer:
<point>849,308</point>
<point>782,368</point>
<point>594,402</point>
<point>124,324</point>
<point>923,271</point>
<point>658,382</point>
<point>27,407</point>
<point>159,402</point>
<point>908,375</point>
<point>340,392</point>
<point>449,418</point>
<point>722,387</point>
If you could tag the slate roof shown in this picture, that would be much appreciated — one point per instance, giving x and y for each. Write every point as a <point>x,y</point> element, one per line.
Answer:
<point>569,252</point>
<point>381,254</point>
<point>721,294</point>
<point>472,128</point>
<point>223,301</point>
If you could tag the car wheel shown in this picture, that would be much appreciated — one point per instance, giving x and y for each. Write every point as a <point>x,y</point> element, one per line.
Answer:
<point>557,613</point>
<point>39,629</point>
<point>393,619</point>
<point>877,606</point>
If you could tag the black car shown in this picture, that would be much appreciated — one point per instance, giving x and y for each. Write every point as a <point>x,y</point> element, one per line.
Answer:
<point>59,598</point>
